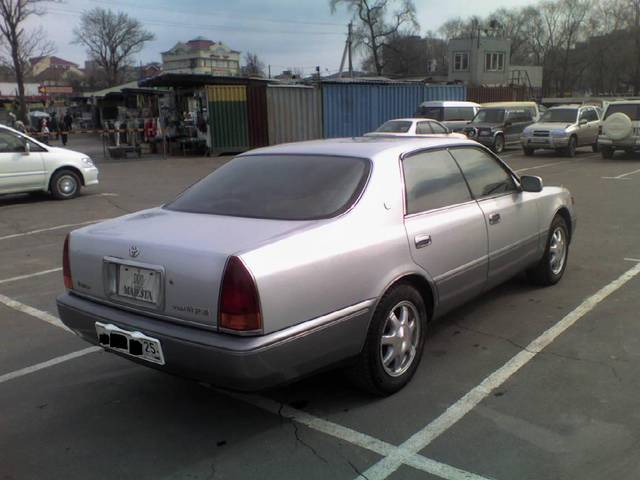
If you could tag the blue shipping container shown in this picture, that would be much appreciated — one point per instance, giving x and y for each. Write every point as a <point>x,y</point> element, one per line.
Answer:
<point>352,109</point>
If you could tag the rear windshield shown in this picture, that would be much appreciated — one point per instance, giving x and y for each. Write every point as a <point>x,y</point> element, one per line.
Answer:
<point>562,115</point>
<point>279,187</point>
<point>394,126</point>
<point>436,113</point>
<point>631,110</point>
<point>489,115</point>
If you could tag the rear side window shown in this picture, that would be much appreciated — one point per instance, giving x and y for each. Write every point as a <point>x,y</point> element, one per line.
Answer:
<point>434,113</point>
<point>458,113</point>
<point>279,187</point>
<point>433,180</point>
<point>394,126</point>
<point>485,175</point>
<point>631,110</point>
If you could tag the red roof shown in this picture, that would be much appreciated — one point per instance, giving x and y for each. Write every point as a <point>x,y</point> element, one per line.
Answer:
<point>199,43</point>
<point>54,61</point>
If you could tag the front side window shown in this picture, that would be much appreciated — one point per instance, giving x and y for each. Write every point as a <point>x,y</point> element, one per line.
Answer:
<point>278,187</point>
<point>461,61</point>
<point>494,61</point>
<point>485,175</point>
<point>433,180</point>
<point>394,126</point>
<point>10,143</point>
<point>559,115</point>
<point>437,128</point>
<point>490,115</point>
<point>589,114</point>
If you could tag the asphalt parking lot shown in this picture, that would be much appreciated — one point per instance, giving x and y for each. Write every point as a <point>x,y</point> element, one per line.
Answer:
<point>523,383</point>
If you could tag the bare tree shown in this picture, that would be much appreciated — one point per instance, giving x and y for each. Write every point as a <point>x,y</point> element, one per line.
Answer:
<point>18,44</point>
<point>111,39</point>
<point>373,28</point>
<point>253,66</point>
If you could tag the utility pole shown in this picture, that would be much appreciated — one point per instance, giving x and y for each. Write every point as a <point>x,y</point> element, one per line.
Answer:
<point>347,52</point>
<point>269,71</point>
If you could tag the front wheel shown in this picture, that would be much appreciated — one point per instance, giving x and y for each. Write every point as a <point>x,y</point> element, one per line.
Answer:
<point>498,144</point>
<point>551,267</point>
<point>570,151</point>
<point>65,184</point>
<point>394,343</point>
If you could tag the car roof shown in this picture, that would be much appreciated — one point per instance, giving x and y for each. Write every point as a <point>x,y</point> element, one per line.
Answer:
<point>624,102</point>
<point>363,147</point>
<point>448,103</point>
<point>570,105</point>
<point>510,104</point>
<point>412,119</point>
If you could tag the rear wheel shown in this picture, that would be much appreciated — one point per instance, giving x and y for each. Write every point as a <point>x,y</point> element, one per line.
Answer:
<point>570,151</point>
<point>606,152</point>
<point>394,343</point>
<point>498,144</point>
<point>528,151</point>
<point>551,267</point>
<point>65,184</point>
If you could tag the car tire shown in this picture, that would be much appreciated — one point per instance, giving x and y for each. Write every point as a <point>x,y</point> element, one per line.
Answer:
<point>498,144</point>
<point>528,151</point>
<point>551,267</point>
<point>570,151</point>
<point>606,152</point>
<point>65,184</point>
<point>594,147</point>
<point>393,348</point>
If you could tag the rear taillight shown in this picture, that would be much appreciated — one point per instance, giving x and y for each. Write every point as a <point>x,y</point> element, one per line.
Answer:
<point>239,308</point>
<point>66,268</point>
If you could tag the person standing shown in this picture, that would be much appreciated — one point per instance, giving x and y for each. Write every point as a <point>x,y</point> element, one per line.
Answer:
<point>44,131</point>
<point>54,125</point>
<point>67,122</point>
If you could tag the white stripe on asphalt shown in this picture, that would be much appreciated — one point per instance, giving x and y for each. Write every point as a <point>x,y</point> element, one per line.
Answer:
<point>34,312</point>
<point>31,275</point>
<point>458,410</point>
<point>632,259</point>
<point>540,166</point>
<point>359,439</point>
<point>621,177</point>
<point>49,363</point>
<point>48,229</point>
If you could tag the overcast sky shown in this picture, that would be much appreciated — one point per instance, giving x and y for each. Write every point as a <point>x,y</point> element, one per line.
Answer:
<point>284,33</point>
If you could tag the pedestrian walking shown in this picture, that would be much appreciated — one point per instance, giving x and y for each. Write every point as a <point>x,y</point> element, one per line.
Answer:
<point>67,122</point>
<point>44,131</point>
<point>54,125</point>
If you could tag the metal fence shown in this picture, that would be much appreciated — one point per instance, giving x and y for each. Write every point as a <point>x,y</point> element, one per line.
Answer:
<point>294,113</point>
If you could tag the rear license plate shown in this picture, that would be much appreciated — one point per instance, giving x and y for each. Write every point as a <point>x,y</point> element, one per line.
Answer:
<point>138,283</point>
<point>135,344</point>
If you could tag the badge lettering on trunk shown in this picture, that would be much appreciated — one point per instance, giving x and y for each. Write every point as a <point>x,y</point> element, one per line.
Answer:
<point>134,251</point>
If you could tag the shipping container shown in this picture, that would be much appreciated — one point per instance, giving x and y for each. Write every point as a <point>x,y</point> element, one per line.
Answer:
<point>353,108</point>
<point>228,118</point>
<point>294,112</point>
<point>257,115</point>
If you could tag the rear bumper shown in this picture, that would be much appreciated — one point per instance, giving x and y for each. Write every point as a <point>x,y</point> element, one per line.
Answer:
<point>630,142</point>
<point>241,363</point>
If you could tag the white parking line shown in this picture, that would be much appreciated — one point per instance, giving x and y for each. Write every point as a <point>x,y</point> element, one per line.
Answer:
<point>31,275</point>
<point>632,259</point>
<point>622,177</point>
<point>48,229</point>
<point>541,166</point>
<point>380,447</point>
<point>458,410</point>
<point>49,363</point>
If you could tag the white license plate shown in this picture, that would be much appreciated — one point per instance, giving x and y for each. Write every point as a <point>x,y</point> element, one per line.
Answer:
<point>138,283</point>
<point>135,344</point>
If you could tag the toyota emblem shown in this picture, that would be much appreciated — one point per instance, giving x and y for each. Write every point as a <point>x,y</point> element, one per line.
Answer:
<point>134,251</point>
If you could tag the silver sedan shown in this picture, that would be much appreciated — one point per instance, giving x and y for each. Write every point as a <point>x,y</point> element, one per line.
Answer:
<point>294,258</point>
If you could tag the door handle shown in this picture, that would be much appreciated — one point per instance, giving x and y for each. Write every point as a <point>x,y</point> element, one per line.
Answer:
<point>422,240</point>
<point>494,218</point>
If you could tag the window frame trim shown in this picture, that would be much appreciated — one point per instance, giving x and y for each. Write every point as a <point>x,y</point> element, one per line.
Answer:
<point>464,53</point>
<point>497,53</point>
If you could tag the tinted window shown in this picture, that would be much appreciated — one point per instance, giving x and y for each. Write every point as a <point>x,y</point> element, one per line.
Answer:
<point>483,172</point>
<point>287,187</point>
<point>631,110</point>
<point>394,126</point>
<point>433,180</point>
<point>423,128</point>
<point>589,115</point>
<point>560,115</point>
<point>458,113</point>
<point>437,128</point>
<point>430,112</point>
<point>10,143</point>
<point>489,115</point>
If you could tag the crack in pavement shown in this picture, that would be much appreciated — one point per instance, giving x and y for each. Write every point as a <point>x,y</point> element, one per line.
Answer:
<point>296,433</point>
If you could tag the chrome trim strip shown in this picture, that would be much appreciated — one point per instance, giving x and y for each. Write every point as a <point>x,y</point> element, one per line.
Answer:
<point>513,246</point>
<point>461,269</point>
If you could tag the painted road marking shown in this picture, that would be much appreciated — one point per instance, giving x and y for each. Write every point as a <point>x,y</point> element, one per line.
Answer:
<point>31,275</point>
<point>49,229</point>
<point>49,363</point>
<point>622,177</point>
<point>34,312</point>
<point>632,259</point>
<point>458,410</point>
<point>419,462</point>
<point>541,166</point>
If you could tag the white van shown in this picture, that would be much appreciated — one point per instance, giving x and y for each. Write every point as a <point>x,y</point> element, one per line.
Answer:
<point>454,115</point>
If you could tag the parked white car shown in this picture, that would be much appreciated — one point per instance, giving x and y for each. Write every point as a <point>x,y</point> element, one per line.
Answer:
<point>413,127</point>
<point>27,165</point>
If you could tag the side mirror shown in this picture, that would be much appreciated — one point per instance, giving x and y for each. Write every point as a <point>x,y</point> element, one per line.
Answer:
<point>531,183</point>
<point>27,148</point>
<point>583,121</point>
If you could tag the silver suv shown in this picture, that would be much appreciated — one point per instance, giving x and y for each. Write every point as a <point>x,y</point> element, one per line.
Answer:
<point>620,128</point>
<point>563,128</point>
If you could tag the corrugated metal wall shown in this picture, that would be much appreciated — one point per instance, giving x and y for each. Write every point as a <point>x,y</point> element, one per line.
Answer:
<point>295,113</point>
<point>228,117</point>
<point>257,115</point>
<point>498,94</point>
<point>352,109</point>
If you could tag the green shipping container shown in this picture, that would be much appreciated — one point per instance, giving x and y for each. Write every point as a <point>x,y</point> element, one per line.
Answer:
<point>228,121</point>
